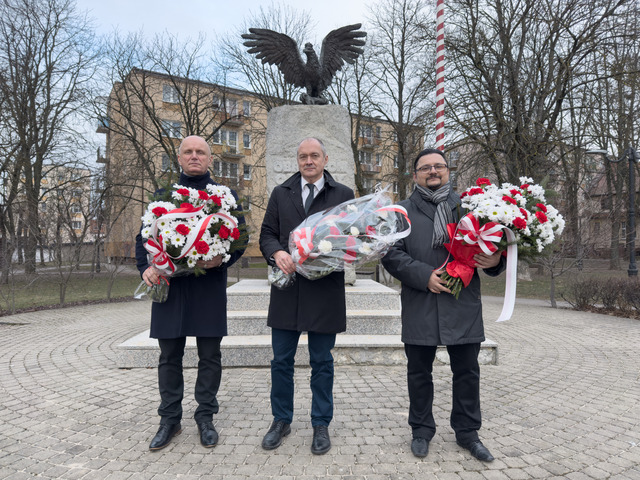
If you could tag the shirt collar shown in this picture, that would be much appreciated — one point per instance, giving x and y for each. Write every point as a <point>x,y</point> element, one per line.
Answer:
<point>319,184</point>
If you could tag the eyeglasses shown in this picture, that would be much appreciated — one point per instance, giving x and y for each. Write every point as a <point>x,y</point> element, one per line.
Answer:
<point>438,167</point>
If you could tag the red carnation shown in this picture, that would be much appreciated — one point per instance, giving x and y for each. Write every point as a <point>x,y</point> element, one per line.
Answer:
<point>476,191</point>
<point>542,207</point>
<point>202,247</point>
<point>370,230</point>
<point>514,192</point>
<point>235,234</point>
<point>519,223</point>
<point>215,199</point>
<point>509,200</point>
<point>483,181</point>
<point>203,195</point>
<point>524,186</point>
<point>183,191</point>
<point>224,232</point>
<point>464,194</point>
<point>182,229</point>
<point>159,211</point>
<point>542,218</point>
<point>524,213</point>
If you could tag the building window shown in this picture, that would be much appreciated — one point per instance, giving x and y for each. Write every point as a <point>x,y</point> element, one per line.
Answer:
<point>246,140</point>
<point>75,208</point>
<point>223,169</point>
<point>246,172</point>
<point>215,103</point>
<point>365,158</point>
<point>246,203</point>
<point>232,106</point>
<point>76,225</point>
<point>171,129</point>
<point>368,184</point>
<point>395,161</point>
<point>378,133</point>
<point>76,193</point>
<point>246,108</point>
<point>365,131</point>
<point>395,187</point>
<point>378,160</point>
<point>232,140</point>
<point>170,94</point>
<point>166,163</point>
<point>596,228</point>
<point>453,159</point>
<point>217,137</point>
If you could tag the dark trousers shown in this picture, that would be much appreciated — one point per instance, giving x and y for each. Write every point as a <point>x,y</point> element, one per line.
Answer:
<point>285,344</point>
<point>465,411</point>
<point>171,380</point>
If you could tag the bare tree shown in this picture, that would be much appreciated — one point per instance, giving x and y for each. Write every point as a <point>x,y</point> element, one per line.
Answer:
<point>515,64</point>
<point>402,70</point>
<point>46,60</point>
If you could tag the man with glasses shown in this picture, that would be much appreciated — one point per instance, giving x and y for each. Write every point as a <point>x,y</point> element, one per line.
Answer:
<point>432,316</point>
<point>317,307</point>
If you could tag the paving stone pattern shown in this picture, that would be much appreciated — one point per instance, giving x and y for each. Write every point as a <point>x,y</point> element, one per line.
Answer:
<point>563,402</point>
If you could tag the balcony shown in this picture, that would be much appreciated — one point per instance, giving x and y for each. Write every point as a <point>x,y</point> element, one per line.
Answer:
<point>230,151</point>
<point>103,125</point>
<point>367,143</point>
<point>369,168</point>
<point>233,119</point>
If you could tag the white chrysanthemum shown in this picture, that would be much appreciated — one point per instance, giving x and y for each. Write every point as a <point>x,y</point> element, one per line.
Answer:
<point>365,249</point>
<point>146,232</point>
<point>354,231</point>
<point>191,262</point>
<point>527,180</point>
<point>325,246</point>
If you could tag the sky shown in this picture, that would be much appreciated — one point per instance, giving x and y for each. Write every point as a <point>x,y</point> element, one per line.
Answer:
<point>213,17</point>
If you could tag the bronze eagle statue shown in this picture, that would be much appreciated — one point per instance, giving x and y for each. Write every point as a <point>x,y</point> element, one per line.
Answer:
<point>339,46</point>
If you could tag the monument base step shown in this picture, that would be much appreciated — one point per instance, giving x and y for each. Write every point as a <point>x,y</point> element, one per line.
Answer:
<point>255,351</point>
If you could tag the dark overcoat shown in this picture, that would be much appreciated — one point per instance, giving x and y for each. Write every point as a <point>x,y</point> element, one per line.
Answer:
<point>307,306</point>
<point>429,318</point>
<point>196,306</point>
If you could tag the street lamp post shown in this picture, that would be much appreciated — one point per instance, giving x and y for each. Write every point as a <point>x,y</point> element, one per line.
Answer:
<point>631,155</point>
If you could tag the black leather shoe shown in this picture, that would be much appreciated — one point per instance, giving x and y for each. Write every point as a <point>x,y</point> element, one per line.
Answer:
<point>274,436</point>
<point>208,434</point>
<point>478,450</point>
<point>420,447</point>
<point>165,433</point>
<point>321,442</point>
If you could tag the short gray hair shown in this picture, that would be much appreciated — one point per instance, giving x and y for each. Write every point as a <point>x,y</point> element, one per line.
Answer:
<point>324,150</point>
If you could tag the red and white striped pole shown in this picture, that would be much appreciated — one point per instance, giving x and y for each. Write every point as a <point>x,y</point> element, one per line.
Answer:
<point>440,75</point>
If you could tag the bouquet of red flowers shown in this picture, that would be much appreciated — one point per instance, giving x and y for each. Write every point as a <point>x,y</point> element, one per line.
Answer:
<point>515,219</point>
<point>190,225</point>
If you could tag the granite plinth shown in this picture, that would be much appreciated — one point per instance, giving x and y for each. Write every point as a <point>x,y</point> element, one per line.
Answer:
<point>255,351</point>
<point>372,336</point>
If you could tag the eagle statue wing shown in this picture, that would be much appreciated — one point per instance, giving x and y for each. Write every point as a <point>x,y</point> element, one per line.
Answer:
<point>339,46</point>
<point>277,49</point>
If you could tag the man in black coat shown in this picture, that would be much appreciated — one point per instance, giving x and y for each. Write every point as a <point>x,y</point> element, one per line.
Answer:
<point>317,307</point>
<point>195,307</point>
<point>431,316</point>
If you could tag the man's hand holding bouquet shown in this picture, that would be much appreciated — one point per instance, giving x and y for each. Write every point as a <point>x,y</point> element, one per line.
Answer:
<point>514,219</point>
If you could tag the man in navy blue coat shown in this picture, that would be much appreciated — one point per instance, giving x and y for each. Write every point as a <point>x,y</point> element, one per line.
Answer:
<point>317,307</point>
<point>195,307</point>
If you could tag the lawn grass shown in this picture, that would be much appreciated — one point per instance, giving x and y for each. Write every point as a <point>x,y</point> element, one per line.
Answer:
<point>44,290</point>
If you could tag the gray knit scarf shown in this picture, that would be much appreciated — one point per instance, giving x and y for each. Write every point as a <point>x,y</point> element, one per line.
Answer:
<point>444,214</point>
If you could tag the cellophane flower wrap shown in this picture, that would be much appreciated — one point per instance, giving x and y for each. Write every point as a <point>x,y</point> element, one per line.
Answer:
<point>188,226</point>
<point>500,218</point>
<point>352,233</point>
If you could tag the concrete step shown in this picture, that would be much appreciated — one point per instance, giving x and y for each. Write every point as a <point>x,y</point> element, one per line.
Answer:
<point>366,294</point>
<point>255,351</point>
<point>359,322</point>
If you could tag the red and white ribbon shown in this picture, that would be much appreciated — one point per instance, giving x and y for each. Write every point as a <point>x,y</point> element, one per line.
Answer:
<point>303,238</point>
<point>470,231</point>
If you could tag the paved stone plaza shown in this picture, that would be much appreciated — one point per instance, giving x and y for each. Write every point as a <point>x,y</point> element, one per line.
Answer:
<point>563,402</point>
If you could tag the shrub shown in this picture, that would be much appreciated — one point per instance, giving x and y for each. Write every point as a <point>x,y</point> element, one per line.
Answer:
<point>583,293</point>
